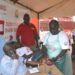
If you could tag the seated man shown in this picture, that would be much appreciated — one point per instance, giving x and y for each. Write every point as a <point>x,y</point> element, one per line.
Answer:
<point>12,63</point>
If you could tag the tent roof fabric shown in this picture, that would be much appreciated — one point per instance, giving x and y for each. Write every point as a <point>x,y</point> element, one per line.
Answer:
<point>52,7</point>
<point>39,5</point>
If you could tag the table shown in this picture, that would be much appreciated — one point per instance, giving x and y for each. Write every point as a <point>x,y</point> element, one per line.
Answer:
<point>44,69</point>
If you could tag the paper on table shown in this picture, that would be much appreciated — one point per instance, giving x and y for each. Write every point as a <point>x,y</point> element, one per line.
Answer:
<point>24,50</point>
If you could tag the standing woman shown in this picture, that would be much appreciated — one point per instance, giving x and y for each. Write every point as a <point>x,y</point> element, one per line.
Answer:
<point>57,44</point>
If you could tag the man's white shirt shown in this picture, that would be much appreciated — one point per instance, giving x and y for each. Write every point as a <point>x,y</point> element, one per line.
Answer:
<point>12,66</point>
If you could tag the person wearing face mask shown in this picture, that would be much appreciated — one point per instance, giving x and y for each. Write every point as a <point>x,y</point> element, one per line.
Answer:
<point>11,64</point>
<point>27,34</point>
<point>57,44</point>
<point>14,62</point>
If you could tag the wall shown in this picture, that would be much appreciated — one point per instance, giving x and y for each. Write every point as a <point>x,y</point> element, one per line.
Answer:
<point>12,15</point>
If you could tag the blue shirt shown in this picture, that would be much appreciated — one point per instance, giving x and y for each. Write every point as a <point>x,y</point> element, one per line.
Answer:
<point>2,42</point>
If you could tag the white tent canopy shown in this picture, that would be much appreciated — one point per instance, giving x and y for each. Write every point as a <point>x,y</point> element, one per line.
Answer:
<point>49,8</point>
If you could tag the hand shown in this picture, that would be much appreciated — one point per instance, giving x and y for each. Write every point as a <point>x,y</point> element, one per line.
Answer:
<point>49,62</point>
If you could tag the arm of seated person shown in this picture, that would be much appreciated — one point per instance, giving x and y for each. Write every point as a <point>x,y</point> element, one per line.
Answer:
<point>27,56</point>
<point>33,63</point>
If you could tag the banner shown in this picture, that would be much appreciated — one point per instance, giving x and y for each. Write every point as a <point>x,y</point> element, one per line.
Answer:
<point>10,17</point>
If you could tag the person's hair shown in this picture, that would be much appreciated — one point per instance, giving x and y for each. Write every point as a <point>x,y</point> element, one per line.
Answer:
<point>11,46</point>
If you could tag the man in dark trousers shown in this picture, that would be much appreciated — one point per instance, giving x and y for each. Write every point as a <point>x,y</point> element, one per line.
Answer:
<point>27,34</point>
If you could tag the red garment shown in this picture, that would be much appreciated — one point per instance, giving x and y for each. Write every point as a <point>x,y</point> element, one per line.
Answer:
<point>27,33</point>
